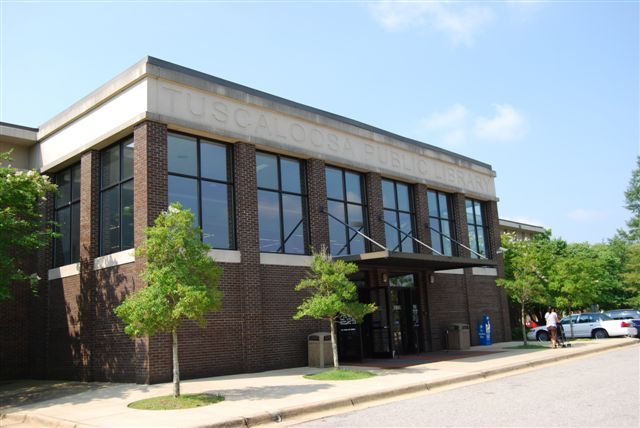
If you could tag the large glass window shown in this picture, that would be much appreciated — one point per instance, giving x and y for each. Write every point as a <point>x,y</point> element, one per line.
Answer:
<point>282,204</point>
<point>116,197</point>
<point>200,179</point>
<point>66,247</point>
<point>346,201</point>
<point>441,219</point>
<point>398,216</point>
<point>478,231</point>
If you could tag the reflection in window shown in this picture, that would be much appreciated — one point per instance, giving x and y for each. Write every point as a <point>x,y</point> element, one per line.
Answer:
<point>200,179</point>
<point>345,202</point>
<point>282,204</point>
<point>116,197</point>
<point>398,216</point>
<point>66,247</point>
<point>478,231</point>
<point>440,219</point>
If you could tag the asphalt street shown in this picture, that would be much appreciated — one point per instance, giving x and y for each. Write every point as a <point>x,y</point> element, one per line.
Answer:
<point>595,391</point>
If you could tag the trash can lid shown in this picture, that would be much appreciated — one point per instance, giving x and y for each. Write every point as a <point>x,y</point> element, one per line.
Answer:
<point>320,335</point>
<point>459,326</point>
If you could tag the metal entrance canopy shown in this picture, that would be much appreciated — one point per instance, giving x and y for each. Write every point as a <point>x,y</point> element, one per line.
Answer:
<point>415,261</point>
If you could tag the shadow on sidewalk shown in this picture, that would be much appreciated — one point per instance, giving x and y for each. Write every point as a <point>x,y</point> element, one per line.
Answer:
<point>25,392</point>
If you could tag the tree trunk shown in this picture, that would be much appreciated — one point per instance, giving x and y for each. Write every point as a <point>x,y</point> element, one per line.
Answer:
<point>176,364</point>
<point>523,324</point>
<point>334,344</point>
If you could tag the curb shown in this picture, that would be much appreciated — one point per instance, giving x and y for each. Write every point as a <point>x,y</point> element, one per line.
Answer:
<point>266,417</point>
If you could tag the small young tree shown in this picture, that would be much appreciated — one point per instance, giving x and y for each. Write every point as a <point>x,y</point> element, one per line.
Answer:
<point>332,294</point>
<point>182,282</point>
<point>22,227</point>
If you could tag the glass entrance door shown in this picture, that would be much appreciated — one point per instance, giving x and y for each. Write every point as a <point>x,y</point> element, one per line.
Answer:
<point>379,327</point>
<point>400,302</point>
<point>393,329</point>
<point>403,314</point>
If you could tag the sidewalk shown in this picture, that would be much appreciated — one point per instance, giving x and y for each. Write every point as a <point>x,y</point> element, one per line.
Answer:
<point>280,395</point>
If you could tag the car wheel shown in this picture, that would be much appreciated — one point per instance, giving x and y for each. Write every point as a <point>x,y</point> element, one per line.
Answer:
<point>542,336</point>
<point>600,334</point>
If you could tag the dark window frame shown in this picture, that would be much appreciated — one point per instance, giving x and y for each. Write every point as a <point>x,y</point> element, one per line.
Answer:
<point>119,183</point>
<point>67,205</point>
<point>345,205</point>
<point>398,211</point>
<point>450,220</point>
<point>233,245</point>
<point>280,192</point>
<point>473,227</point>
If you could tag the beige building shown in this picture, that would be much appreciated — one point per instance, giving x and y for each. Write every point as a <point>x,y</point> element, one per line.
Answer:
<point>522,231</point>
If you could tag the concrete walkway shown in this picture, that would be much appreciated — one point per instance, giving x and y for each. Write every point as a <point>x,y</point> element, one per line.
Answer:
<point>260,398</point>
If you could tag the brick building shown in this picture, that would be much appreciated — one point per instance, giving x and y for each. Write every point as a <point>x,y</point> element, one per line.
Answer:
<point>268,179</point>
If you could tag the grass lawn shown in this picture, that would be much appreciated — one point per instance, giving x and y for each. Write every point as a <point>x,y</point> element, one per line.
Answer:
<point>340,374</point>
<point>168,402</point>
<point>527,346</point>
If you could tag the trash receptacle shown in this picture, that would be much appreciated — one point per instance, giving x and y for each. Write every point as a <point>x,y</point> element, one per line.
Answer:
<point>319,348</point>
<point>459,336</point>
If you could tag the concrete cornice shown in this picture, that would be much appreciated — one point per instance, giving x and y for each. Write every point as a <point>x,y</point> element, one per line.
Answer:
<point>17,134</point>
<point>189,77</point>
<point>510,224</point>
<point>157,68</point>
<point>95,99</point>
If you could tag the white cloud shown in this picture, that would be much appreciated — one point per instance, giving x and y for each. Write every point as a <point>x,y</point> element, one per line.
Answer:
<point>583,216</point>
<point>454,117</point>
<point>459,22</point>
<point>455,138</point>
<point>455,125</point>
<point>507,125</point>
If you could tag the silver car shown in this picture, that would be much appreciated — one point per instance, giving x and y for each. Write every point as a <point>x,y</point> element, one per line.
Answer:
<point>595,325</point>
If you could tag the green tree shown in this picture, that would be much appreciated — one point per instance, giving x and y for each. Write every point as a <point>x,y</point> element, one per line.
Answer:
<point>611,257</point>
<point>22,226</point>
<point>182,282</point>
<point>632,199</point>
<point>332,294</point>
<point>631,276</point>
<point>578,278</point>
<point>527,267</point>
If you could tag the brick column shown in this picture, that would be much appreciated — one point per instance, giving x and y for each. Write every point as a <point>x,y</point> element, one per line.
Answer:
<point>153,356</point>
<point>460,221</point>
<point>318,222</point>
<point>492,219</point>
<point>375,210</point>
<point>89,250</point>
<point>248,238</point>
<point>422,217</point>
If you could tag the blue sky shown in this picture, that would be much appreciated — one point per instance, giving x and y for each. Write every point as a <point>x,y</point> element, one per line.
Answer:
<point>547,93</point>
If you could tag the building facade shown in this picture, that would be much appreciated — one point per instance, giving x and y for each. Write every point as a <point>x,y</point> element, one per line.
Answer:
<point>269,180</point>
<point>521,231</point>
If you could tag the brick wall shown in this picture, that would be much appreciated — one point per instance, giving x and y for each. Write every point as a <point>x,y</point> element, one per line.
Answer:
<point>422,217</point>
<point>317,191</point>
<point>74,333</point>
<point>375,209</point>
<point>150,199</point>
<point>249,284</point>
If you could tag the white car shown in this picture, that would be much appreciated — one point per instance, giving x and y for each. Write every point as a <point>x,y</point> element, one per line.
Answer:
<point>595,325</point>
